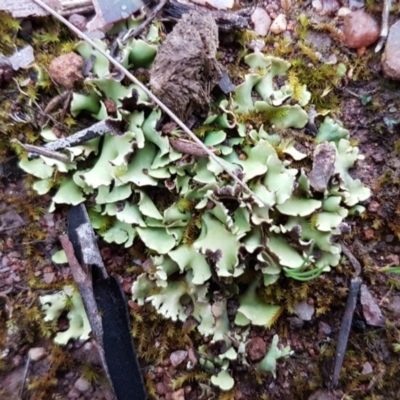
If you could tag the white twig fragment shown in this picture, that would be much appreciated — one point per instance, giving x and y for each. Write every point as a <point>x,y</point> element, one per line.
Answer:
<point>385,25</point>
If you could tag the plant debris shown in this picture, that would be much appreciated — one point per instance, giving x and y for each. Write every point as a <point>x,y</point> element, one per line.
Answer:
<point>185,69</point>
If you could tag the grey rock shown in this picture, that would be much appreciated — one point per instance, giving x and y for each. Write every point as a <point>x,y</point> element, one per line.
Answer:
<point>82,384</point>
<point>304,310</point>
<point>371,311</point>
<point>367,368</point>
<point>261,21</point>
<point>391,55</point>
<point>177,357</point>
<point>323,166</point>
<point>37,353</point>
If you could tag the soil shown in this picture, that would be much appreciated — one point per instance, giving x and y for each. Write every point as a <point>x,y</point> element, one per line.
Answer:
<point>369,106</point>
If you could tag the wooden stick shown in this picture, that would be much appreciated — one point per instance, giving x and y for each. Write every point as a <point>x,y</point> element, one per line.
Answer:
<point>344,332</point>
<point>41,151</point>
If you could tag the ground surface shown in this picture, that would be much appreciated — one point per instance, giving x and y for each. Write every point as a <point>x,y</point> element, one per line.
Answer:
<point>369,106</point>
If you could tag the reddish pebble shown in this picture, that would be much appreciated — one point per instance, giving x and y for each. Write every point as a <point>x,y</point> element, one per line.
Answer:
<point>360,30</point>
<point>256,349</point>
<point>67,69</point>
<point>369,234</point>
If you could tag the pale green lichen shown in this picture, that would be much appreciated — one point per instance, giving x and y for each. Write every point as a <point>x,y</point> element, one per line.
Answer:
<point>67,299</point>
<point>199,225</point>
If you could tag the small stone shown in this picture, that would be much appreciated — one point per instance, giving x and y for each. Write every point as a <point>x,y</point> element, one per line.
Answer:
<point>178,395</point>
<point>256,349</point>
<point>6,70</point>
<point>343,11</point>
<point>78,21</point>
<point>73,393</point>
<point>304,310</point>
<point>392,259</point>
<point>82,384</point>
<point>48,277</point>
<point>261,21</point>
<point>371,311</point>
<point>373,206</point>
<point>177,357</point>
<point>378,157</point>
<point>360,30</point>
<point>389,238</point>
<point>22,58</point>
<point>323,394</point>
<point>256,45</point>
<point>218,4</point>
<point>286,4</point>
<point>161,388</point>
<point>369,234</point>
<point>394,307</point>
<point>37,353</point>
<point>324,328</point>
<point>295,323</point>
<point>326,7</point>
<point>391,55</point>
<point>367,369</point>
<point>279,25</point>
<point>332,59</point>
<point>66,70</point>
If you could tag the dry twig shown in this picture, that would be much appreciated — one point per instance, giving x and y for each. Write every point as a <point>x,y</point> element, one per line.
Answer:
<point>384,26</point>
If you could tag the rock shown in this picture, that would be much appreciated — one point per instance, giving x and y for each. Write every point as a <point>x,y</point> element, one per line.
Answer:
<point>326,7</point>
<point>73,394</point>
<point>177,357</point>
<point>343,11</point>
<point>392,260</point>
<point>161,388</point>
<point>261,21</point>
<point>367,369</point>
<point>48,277</point>
<point>82,384</point>
<point>218,4</point>
<point>295,323</point>
<point>394,307</point>
<point>256,45</point>
<point>373,206</point>
<point>360,30</point>
<point>256,349</point>
<point>37,353</point>
<point>323,166</point>
<point>178,395</point>
<point>279,25</point>
<point>323,394</point>
<point>391,55</point>
<point>368,234</point>
<point>371,311</point>
<point>6,70</point>
<point>79,21</point>
<point>324,329</point>
<point>66,70</point>
<point>304,310</point>
<point>389,238</point>
<point>22,58</point>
